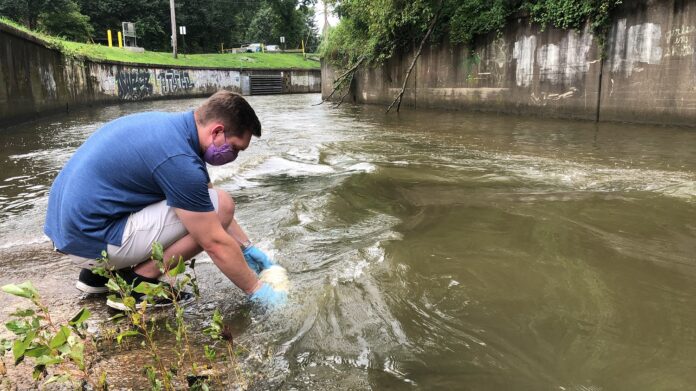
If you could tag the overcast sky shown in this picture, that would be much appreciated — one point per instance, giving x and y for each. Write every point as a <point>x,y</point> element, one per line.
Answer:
<point>319,16</point>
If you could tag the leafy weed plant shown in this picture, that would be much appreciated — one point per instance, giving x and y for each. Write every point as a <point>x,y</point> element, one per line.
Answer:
<point>58,351</point>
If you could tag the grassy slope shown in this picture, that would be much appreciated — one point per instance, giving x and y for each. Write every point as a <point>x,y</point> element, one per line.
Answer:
<point>227,60</point>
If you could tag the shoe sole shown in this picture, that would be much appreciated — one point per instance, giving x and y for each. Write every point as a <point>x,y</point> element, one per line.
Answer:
<point>117,305</point>
<point>82,287</point>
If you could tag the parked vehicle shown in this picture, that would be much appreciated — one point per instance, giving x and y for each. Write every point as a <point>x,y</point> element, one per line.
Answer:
<point>251,48</point>
<point>272,48</point>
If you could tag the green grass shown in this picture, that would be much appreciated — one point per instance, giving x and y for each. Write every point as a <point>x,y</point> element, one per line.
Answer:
<point>213,60</point>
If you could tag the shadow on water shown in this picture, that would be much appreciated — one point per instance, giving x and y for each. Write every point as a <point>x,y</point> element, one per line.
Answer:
<point>429,249</point>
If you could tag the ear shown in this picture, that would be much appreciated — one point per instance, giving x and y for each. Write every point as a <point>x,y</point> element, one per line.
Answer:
<point>217,128</point>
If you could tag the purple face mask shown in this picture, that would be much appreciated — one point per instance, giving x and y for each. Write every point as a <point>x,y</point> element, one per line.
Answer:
<point>218,156</point>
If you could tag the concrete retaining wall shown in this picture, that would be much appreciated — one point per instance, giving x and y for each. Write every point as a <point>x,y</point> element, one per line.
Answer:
<point>35,79</point>
<point>648,74</point>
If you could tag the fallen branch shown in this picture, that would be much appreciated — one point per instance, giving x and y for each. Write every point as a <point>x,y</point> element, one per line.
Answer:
<point>342,78</point>
<point>352,69</point>
<point>350,82</point>
<point>336,87</point>
<point>397,100</point>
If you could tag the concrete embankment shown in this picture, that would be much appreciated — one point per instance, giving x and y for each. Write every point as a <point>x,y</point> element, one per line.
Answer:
<point>36,79</point>
<point>647,75</point>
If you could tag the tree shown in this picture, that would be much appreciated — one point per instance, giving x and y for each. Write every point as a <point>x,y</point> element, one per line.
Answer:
<point>56,17</point>
<point>288,18</point>
<point>25,12</point>
<point>263,27</point>
<point>63,18</point>
<point>209,22</point>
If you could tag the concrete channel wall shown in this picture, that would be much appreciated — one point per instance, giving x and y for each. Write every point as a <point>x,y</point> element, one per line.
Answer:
<point>36,79</point>
<point>648,74</point>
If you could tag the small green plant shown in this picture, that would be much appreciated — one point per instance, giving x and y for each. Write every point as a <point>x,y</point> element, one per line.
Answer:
<point>142,323</point>
<point>59,351</point>
<point>56,350</point>
<point>219,333</point>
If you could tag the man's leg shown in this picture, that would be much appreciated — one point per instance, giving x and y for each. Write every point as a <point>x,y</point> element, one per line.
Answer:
<point>186,247</point>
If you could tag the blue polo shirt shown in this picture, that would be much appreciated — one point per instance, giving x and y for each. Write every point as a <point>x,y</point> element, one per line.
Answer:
<point>123,167</point>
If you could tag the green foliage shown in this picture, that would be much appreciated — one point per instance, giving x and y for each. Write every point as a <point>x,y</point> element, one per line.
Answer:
<point>63,19</point>
<point>142,324</point>
<point>60,352</point>
<point>470,18</point>
<point>25,290</point>
<point>57,17</point>
<point>262,27</point>
<point>375,30</point>
<point>58,348</point>
<point>214,331</point>
<point>227,60</point>
<point>210,23</point>
<point>569,14</point>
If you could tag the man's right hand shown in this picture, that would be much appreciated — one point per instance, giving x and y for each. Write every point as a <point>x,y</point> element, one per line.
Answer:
<point>257,259</point>
<point>268,297</point>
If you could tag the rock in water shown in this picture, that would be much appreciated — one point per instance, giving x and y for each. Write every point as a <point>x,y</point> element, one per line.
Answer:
<point>277,277</point>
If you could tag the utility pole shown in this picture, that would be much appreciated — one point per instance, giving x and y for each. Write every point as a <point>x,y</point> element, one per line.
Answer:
<point>173,16</point>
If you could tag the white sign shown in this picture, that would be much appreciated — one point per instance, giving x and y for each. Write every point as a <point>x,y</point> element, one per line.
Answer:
<point>282,39</point>
<point>182,30</point>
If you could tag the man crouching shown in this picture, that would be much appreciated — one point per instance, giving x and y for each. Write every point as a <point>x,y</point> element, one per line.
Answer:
<point>142,179</point>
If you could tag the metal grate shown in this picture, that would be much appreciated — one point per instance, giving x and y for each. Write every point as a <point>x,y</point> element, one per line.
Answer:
<point>266,84</point>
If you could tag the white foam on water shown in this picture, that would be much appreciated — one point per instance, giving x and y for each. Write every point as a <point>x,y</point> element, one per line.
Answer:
<point>308,154</point>
<point>24,242</point>
<point>278,166</point>
<point>33,155</point>
<point>15,178</point>
<point>582,176</point>
<point>363,167</point>
<point>304,218</point>
<point>350,273</point>
<point>236,170</point>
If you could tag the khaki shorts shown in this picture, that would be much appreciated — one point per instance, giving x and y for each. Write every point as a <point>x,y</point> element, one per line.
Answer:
<point>156,223</point>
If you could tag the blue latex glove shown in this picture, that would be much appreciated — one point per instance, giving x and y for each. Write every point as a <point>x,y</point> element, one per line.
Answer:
<point>257,259</point>
<point>268,297</point>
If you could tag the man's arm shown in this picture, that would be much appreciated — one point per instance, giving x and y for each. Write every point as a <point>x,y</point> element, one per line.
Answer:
<point>206,230</point>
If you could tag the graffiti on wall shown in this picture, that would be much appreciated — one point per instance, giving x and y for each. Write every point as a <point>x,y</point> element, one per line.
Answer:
<point>48,81</point>
<point>680,41</point>
<point>133,84</point>
<point>523,52</point>
<point>173,80</point>
<point>635,46</point>
<point>566,62</point>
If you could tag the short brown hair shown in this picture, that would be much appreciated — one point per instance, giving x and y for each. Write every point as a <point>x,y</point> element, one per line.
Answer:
<point>232,110</point>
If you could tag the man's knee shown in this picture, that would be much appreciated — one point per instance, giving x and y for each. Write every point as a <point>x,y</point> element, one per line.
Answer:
<point>225,207</point>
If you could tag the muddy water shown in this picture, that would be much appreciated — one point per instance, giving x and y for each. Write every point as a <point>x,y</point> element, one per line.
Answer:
<point>429,250</point>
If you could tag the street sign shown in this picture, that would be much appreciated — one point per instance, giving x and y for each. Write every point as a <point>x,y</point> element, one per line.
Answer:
<point>182,30</point>
<point>282,39</point>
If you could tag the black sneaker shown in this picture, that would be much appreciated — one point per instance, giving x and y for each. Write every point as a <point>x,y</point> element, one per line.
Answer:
<point>91,283</point>
<point>183,298</point>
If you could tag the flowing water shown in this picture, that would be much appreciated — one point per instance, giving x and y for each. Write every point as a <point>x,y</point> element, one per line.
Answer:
<point>426,250</point>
